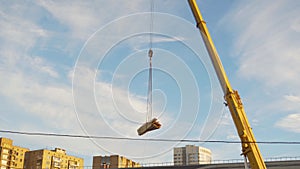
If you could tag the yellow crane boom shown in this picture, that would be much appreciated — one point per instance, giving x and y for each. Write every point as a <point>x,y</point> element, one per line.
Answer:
<point>249,146</point>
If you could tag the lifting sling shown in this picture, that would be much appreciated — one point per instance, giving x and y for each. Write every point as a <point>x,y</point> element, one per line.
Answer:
<point>152,124</point>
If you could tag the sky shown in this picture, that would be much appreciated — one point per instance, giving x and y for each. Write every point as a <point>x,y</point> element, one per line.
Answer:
<point>81,67</point>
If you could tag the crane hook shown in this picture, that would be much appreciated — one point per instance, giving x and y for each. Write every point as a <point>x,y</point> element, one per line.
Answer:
<point>150,53</point>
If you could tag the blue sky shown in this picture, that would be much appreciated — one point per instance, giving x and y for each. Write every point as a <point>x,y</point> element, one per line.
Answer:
<point>78,67</point>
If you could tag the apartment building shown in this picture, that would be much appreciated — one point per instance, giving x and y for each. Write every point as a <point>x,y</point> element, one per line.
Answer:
<point>191,155</point>
<point>11,156</point>
<point>113,161</point>
<point>51,159</point>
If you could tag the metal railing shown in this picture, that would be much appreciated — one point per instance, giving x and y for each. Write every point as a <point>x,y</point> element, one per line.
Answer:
<point>270,159</point>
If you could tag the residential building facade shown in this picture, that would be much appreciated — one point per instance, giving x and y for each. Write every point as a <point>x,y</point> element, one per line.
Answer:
<point>113,161</point>
<point>11,156</point>
<point>51,159</point>
<point>191,155</point>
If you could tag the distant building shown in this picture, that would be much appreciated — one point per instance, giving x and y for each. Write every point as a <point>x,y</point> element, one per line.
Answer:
<point>113,161</point>
<point>51,159</point>
<point>11,156</point>
<point>191,155</point>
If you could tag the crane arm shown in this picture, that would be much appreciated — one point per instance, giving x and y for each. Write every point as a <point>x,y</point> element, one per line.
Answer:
<point>249,146</point>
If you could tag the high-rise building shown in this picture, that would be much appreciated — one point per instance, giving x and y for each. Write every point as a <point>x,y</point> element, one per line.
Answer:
<point>51,159</point>
<point>11,156</point>
<point>191,155</point>
<point>113,161</point>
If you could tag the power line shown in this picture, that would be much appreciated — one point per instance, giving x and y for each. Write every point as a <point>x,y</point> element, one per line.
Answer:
<point>144,139</point>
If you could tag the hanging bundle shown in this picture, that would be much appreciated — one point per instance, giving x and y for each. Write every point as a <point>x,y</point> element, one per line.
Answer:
<point>151,123</point>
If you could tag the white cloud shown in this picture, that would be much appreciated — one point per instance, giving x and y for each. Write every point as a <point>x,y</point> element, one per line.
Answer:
<point>139,43</point>
<point>233,136</point>
<point>77,16</point>
<point>292,98</point>
<point>296,25</point>
<point>290,123</point>
<point>40,65</point>
<point>50,104</point>
<point>84,18</point>
<point>266,43</point>
<point>19,30</point>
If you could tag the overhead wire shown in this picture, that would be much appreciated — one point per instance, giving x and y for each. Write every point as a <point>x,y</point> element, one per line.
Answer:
<point>144,139</point>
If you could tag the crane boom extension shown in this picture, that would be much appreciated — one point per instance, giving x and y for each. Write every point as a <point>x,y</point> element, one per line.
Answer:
<point>249,146</point>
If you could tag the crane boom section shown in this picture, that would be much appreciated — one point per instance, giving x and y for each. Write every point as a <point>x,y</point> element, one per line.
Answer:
<point>249,146</point>
<point>210,48</point>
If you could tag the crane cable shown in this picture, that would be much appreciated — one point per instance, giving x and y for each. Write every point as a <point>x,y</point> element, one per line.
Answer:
<point>151,24</point>
<point>149,97</point>
<point>149,114</point>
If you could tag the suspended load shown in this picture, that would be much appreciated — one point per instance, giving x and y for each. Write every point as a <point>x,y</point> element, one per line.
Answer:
<point>154,123</point>
<point>149,126</point>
